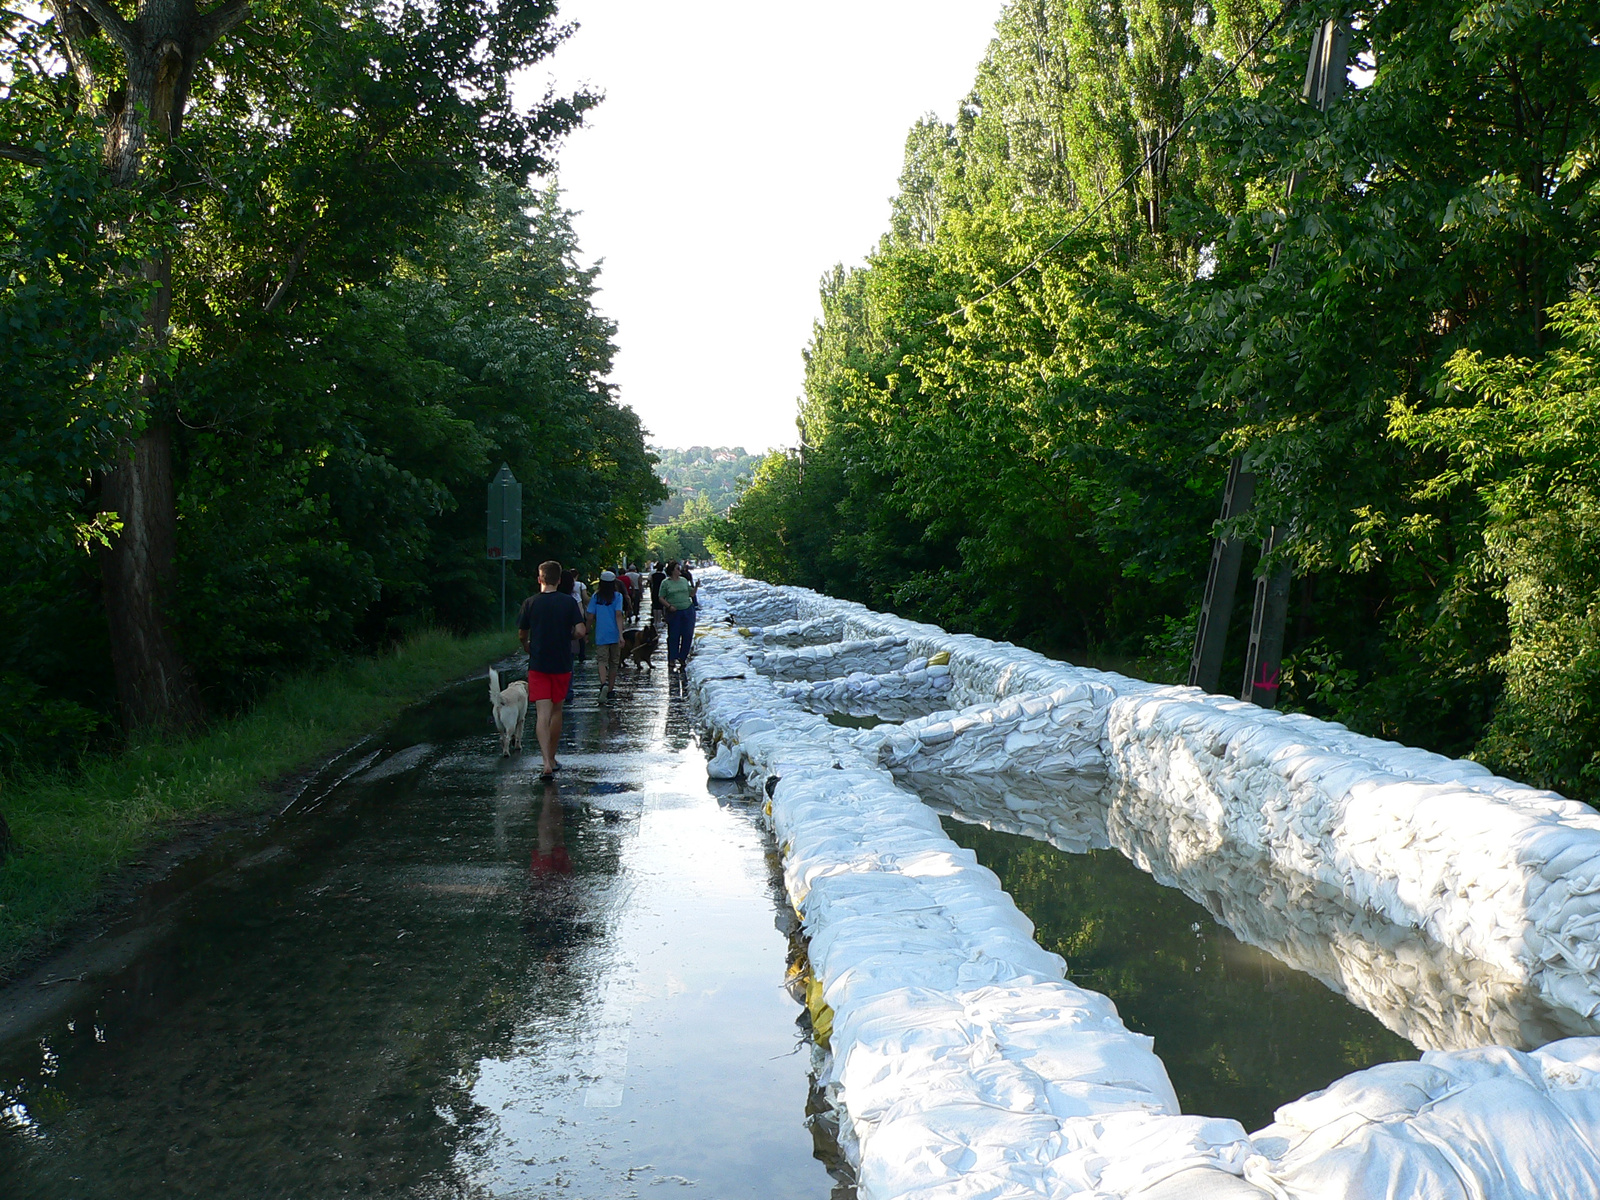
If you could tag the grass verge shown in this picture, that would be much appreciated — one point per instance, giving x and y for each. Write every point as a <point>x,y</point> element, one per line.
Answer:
<point>75,830</point>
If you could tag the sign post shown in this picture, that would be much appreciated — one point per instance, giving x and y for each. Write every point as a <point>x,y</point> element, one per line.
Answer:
<point>505,526</point>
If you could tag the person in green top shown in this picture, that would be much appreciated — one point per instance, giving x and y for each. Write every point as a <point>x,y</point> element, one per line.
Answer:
<point>677,597</point>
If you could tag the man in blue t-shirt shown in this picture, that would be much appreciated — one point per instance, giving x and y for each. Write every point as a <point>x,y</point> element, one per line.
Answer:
<point>606,612</point>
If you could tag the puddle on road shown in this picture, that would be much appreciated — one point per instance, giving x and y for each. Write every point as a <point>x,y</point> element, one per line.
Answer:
<point>1240,1032</point>
<point>447,980</point>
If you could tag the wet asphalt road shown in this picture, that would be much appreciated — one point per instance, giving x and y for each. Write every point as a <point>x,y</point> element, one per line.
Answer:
<point>444,979</point>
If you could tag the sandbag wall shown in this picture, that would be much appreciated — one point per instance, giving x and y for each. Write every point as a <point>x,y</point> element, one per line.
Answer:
<point>963,1064</point>
<point>914,688</point>
<point>1485,868</point>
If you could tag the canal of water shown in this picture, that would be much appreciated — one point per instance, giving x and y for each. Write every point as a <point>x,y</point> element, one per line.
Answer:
<point>1240,1032</point>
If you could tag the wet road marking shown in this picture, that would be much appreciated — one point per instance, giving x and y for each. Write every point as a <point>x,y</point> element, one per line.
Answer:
<point>608,1056</point>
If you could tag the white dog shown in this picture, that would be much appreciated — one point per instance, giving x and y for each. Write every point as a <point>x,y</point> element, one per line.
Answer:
<point>510,710</point>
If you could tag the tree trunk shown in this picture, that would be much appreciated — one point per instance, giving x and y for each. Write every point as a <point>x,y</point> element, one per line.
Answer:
<point>154,686</point>
<point>160,49</point>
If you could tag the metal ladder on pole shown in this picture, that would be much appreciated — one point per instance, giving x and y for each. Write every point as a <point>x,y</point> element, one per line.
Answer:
<point>1325,74</point>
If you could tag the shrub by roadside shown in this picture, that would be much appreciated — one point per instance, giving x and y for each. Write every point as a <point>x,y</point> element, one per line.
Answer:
<point>74,830</point>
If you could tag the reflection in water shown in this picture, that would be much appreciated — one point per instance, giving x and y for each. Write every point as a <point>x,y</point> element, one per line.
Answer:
<point>1428,994</point>
<point>1239,1032</point>
<point>510,804</point>
<point>550,855</point>
<point>872,720</point>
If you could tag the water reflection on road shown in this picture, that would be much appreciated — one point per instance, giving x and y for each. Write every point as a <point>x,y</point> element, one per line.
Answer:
<point>449,980</point>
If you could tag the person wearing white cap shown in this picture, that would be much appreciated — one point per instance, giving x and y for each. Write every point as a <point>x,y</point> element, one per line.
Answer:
<point>606,608</point>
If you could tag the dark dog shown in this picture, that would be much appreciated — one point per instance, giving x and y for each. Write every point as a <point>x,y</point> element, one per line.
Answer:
<point>640,644</point>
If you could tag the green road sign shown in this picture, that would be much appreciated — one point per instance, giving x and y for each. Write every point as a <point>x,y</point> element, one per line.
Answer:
<point>505,516</point>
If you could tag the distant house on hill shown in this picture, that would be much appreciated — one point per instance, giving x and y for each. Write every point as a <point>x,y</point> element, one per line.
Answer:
<point>712,474</point>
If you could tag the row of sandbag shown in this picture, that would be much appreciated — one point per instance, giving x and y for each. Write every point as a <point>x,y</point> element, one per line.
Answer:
<point>871,656</point>
<point>940,1120</point>
<point>913,689</point>
<point>1206,803</point>
<point>1051,735</point>
<point>964,1065</point>
<point>1486,866</point>
<point>981,669</point>
<point>1486,1124</point>
<point>816,631</point>
<point>1493,869</point>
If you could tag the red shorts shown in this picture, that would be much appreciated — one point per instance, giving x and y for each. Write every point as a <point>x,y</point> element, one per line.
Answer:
<point>542,686</point>
<point>551,862</point>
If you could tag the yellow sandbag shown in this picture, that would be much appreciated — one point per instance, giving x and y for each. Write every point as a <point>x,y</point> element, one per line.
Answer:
<point>821,1014</point>
<point>941,659</point>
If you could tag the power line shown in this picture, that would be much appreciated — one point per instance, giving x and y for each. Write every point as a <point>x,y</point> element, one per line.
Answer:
<point>1233,69</point>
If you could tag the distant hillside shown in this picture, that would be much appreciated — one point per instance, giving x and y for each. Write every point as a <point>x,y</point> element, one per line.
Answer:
<point>710,471</point>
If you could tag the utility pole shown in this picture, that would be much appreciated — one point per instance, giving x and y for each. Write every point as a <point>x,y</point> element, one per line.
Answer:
<point>1325,76</point>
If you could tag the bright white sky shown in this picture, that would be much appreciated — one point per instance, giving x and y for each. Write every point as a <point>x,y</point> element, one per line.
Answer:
<point>742,150</point>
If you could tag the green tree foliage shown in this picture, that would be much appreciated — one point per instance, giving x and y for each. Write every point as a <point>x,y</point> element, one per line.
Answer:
<point>275,151</point>
<point>360,513</point>
<point>703,482</point>
<point>369,313</point>
<point>1044,461</point>
<point>714,474</point>
<point>758,535</point>
<point>684,537</point>
<point>1523,454</point>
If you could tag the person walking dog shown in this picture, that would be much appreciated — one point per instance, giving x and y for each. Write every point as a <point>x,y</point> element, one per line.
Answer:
<point>677,597</point>
<point>546,626</point>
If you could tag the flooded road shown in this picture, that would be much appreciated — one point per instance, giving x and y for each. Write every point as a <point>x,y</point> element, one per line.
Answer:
<point>445,979</point>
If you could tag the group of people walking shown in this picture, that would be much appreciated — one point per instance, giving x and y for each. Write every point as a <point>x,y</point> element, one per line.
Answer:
<point>557,625</point>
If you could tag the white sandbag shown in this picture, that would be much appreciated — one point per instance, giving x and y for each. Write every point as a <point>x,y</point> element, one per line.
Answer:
<point>1457,1125</point>
<point>1416,884</point>
<point>724,763</point>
